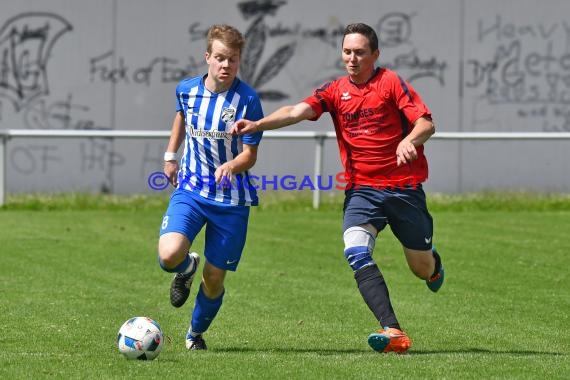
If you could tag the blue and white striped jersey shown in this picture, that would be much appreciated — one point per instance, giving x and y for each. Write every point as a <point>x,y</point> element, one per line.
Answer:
<point>208,143</point>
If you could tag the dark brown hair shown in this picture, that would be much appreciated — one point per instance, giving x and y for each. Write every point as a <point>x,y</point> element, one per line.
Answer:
<point>366,31</point>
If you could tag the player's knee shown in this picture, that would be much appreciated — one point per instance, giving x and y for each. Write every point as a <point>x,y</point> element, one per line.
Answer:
<point>172,250</point>
<point>167,262</point>
<point>168,257</point>
<point>358,247</point>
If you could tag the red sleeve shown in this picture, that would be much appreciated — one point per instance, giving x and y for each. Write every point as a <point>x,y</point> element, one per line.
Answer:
<point>321,101</point>
<point>408,100</point>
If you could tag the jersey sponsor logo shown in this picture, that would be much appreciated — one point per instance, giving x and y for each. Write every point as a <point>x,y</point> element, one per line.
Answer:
<point>345,96</point>
<point>212,135</point>
<point>228,115</point>
<point>362,113</point>
<point>356,130</point>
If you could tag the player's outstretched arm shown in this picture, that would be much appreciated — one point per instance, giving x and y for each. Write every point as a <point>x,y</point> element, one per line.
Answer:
<point>283,117</point>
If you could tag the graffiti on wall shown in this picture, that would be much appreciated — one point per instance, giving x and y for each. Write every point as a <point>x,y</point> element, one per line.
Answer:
<point>45,113</point>
<point>105,68</point>
<point>528,71</point>
<point>395,30</point>
<point>510,73</point>
<point>26,42</point>
<point>270,46</point>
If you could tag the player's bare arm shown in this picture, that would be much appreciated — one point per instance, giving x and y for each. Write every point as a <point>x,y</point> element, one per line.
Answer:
<point>176,137</point>
<point>283,117</point>
<point>243,161</point>
<point>422,131</point>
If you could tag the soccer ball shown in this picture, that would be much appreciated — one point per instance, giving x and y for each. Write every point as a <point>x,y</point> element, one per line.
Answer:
<point>140,338</point>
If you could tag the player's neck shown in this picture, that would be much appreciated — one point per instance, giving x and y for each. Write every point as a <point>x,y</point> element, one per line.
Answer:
<point>215,86</point>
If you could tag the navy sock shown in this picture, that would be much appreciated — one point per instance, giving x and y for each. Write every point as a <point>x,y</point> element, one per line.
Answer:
<point>205,311</point>
<point>375,293</point>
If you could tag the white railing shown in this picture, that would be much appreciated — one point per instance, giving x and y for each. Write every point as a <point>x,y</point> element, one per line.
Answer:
<point>319,138</point>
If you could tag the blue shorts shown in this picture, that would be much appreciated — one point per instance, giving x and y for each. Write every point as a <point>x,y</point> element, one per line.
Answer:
<point>405,210</point>
<point>226,226</point>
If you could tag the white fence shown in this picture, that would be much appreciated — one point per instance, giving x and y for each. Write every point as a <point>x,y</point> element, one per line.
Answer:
<point>319,137</point>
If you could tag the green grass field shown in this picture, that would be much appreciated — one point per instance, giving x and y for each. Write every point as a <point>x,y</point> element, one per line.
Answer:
<point>73,269</point>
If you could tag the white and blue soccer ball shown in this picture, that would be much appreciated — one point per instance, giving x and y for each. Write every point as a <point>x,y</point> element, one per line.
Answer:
<point>140,338</point>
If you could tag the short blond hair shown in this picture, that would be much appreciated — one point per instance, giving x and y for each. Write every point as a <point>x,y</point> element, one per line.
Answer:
<point>228,35</point>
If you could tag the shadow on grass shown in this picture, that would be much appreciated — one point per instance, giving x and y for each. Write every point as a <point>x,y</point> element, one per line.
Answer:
<point>285,350</point>
<point>485,351</point>
<point>337,351</point>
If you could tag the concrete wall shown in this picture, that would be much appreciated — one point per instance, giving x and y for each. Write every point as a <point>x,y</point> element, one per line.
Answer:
<point>113,64</point>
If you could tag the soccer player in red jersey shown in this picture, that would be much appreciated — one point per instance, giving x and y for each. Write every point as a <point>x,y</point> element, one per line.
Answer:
<point>381,125</point>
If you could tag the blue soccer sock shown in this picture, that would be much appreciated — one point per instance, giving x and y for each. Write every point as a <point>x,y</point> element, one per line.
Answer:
<point>180,268</point>
<point>205,311</point>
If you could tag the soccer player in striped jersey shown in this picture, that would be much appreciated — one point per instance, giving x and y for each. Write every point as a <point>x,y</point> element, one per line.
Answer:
<point>381,125</point>
<point>212,179</point>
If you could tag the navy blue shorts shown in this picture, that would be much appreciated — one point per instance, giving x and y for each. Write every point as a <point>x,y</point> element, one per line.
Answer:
<point>226,226</point>
<point>405,210</point>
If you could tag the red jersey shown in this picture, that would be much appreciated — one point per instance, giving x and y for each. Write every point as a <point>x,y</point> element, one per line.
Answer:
<point>370,120</point>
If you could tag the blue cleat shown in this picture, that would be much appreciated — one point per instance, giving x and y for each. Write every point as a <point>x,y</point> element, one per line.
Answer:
<point>436,281</point>
<point>378,342</point>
